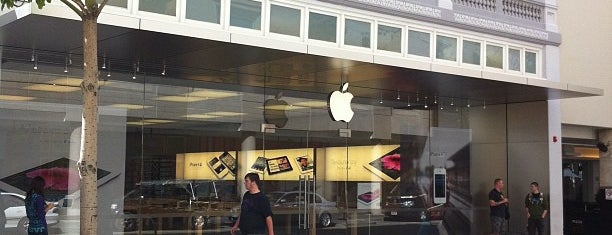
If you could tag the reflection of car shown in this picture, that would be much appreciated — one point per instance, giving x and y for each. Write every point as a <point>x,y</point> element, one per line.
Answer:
<point>16,213</point>
<point>411,207</point>
<point>289,203</point>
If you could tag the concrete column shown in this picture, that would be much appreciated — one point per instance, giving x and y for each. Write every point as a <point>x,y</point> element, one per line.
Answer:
<point>605,161</point>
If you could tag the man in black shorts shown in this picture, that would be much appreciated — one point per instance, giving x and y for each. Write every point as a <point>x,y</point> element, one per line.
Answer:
<point>499,206</point>
<point>255,212</point>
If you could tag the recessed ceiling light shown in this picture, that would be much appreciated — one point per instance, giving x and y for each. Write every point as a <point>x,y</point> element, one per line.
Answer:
<point>312,104</point>
<point>225,114</point>
<point>175,98</point>
<point>52,88</point>
<point>212,94</point>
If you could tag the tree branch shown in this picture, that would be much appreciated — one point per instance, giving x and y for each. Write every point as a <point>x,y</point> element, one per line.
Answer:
<point>74,8</point>
<point>100,7</point>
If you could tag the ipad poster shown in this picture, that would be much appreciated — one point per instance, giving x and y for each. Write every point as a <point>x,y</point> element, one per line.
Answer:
<point>368,195</point>
<point>374,163</point>
<point>279,164</point>
<point>204,166</point>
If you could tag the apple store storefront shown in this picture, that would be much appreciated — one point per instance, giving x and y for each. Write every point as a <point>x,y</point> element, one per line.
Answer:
<point>342,145</point>
<point>351,148</point>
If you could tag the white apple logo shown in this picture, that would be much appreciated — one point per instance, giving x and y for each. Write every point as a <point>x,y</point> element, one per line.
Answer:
<point>339,103</point>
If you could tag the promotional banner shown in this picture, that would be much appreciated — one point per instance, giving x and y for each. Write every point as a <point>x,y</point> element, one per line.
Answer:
<point>280,164</point>
<point>207,166</point>
<point>363,163</point>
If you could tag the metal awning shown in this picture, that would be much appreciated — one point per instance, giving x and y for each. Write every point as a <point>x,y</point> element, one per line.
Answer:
<point>191,60</point>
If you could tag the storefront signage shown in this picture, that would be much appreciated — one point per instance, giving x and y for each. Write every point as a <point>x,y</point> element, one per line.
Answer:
<point>339,103</point>
<point>362,163</point>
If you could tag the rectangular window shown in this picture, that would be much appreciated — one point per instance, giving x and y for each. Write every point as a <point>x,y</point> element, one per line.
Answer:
<point>115,3</point>
<point>245,14</point>
<point>165,7</point>
<point>530,62</point>
<point>285,20</point>
<point>471,52</point>
<point>356,33</point>
<point>418,43</point>
<point>322,27</point>
<point>389,38</point>
<point>495,56</point>
<point>204,10</point>
<point>514,59</point>
<point>446,48</point>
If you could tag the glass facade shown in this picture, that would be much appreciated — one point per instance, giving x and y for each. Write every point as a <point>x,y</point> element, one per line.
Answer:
<point>172,157</point>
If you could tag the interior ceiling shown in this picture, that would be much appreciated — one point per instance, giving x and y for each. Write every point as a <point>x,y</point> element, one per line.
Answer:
<point>194,59</point>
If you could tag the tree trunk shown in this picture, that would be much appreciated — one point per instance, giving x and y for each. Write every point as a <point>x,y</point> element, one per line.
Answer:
<point>88,161</point>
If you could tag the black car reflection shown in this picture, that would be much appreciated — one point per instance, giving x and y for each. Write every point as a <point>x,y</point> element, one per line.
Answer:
<point>411,208</point>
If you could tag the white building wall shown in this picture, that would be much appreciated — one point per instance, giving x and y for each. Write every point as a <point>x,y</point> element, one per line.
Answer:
<point>586,55</point>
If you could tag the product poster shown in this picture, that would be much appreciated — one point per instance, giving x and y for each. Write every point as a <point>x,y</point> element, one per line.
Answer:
<point>368,196</point>
<point>207,166</point>
<point>363,163</point>
<point>280,164</point>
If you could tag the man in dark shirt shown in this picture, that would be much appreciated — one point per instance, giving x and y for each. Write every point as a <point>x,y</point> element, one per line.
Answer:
<point>255,212</point>
<point>537,208</point>
<point>499,206</point>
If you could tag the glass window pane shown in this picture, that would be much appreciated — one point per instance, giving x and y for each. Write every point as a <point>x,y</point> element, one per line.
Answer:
<point>471,52</point>
<point>514,59</point>
<point>356,33</point>
<point>495,56</point>
<point>115,3</point>
<point>418,43</point>
<point>389,38</point>
<point>204,10</point>
<point>446,48</point>
<point>285,20</point>
<point>322,27</point>
<point>245,14</point>
<point>530,62</point>
<point>166,7</point>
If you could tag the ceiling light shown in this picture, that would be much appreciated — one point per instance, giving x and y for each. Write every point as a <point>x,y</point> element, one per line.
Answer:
<point>35,63</point>
<point>380,101</point>
<point>312,104</point>
<point>211,94</point>
<point>66,66</point>
<point>104,62</point>
<point>398,96</point>
<point>484,104</point>
<point>435,99</point>
<point>16,98</point>
<point>163,73</point>
<point>139,123</point>
<point>130,106</point>
<point>176,98</point>
<point>200,116</point>
<point>52,88</point>
<point>158,121</point>
<point>468,103</point>
<point>426,102</point>
<point>452,102</point>
<point>225,114</point>
<point>108,71</point>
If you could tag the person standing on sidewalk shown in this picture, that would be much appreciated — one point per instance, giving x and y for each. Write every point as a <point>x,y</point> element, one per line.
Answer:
<point>536,207</point>
<point>499,207</point>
